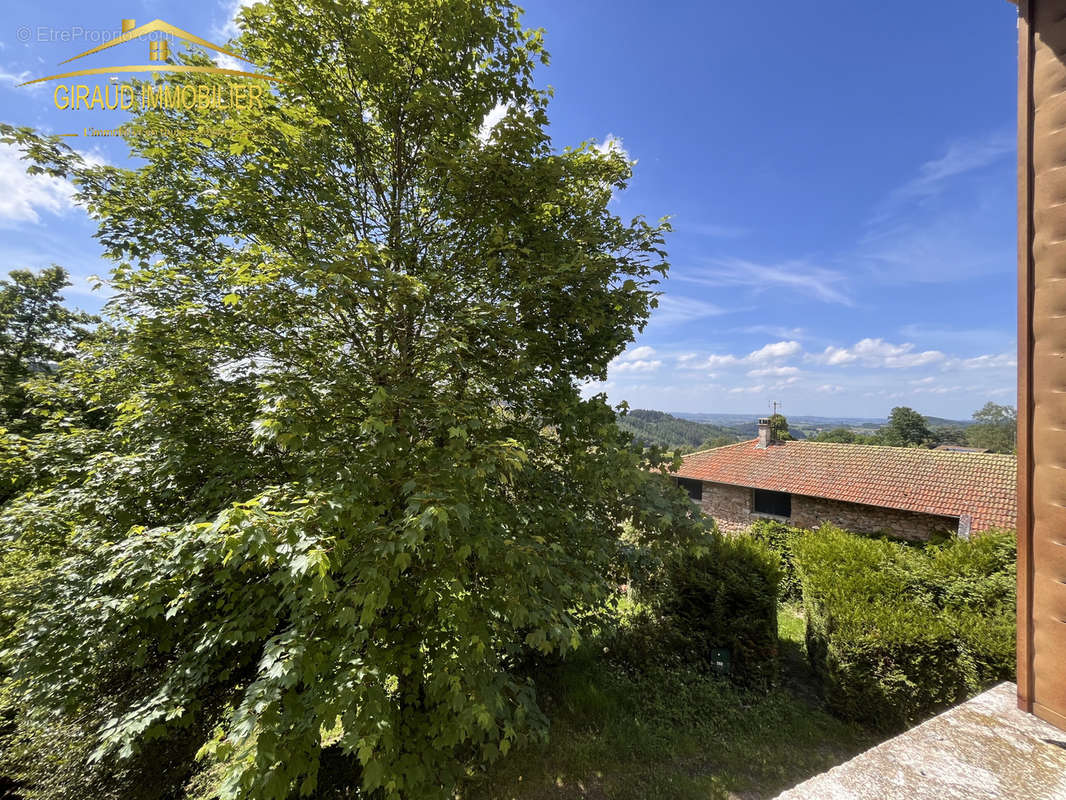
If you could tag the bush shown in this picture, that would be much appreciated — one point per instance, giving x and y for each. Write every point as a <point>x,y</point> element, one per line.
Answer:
<point>727,598</point>
<point>779,537</point>
<point>975,582</point>
<point>897,632</point>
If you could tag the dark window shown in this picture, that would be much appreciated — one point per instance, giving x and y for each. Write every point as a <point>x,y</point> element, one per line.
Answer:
<point>694,488</point>
<point>777,503</point>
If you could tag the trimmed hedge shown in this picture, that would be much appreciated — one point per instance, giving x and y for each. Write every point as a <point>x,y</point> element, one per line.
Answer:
<point>727,598</point>
<point>779,538</point>
<point>897,632</point>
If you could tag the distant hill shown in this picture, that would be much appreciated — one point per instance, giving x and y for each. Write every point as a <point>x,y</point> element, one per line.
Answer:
<point>666,430</point>
<point>750,429</point>
<point>731,420</point>
<point>940,422</point>
<point>746,422</point>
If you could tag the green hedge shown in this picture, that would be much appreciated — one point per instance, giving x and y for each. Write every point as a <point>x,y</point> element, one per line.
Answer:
<point>727,598</point>
<point>779,538</point>
<point>897,631</point>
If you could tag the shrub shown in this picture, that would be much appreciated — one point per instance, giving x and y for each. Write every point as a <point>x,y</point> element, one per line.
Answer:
<point>896,632</point>
<point>727,598</point>
<point>975,583</point>
<point>779,537</point>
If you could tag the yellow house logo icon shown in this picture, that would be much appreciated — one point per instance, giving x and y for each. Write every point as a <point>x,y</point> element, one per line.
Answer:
<point>158,51</point>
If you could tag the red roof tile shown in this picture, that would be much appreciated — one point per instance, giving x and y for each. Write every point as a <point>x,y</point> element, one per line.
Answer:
<point>907,478</point>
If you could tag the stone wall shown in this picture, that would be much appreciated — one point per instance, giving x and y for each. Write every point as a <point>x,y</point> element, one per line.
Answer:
<point>730,507</point>
<point>810,512</point>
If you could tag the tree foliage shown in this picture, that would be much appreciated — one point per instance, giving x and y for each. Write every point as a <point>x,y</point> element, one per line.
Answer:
<point>995,427</point>
<point>839,436</point>
<point>36,332</point>
<point>779,428</point>
<point>349,483</point>
<point>665,430</point>
<point>906,428</point>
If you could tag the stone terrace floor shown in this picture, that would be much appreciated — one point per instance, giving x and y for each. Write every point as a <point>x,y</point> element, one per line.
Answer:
<point>983,749</point>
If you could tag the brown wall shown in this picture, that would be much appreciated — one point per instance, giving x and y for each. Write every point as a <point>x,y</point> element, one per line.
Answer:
<point>1041,361</point>
<point>730,507</point>
<point>811,512</point>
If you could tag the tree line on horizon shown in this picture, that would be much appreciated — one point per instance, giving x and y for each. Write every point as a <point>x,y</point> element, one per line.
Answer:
<point>993,428</point>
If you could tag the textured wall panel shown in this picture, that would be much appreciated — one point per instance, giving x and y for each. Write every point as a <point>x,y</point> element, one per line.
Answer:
<point>1042,367</point>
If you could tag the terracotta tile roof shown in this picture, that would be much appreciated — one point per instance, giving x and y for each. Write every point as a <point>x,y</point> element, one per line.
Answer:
<point>912,479</point>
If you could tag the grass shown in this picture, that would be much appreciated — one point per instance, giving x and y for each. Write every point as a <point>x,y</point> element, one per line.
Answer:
<point>672,731</point>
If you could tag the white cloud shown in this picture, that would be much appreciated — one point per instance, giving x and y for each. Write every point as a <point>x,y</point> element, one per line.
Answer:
<point>638,366</point>
<point>591,388</point>
<point>640,352</point>
<point>869,352</point>
<point>985,362</point>
<point>674,310</point>
<point>228,62</point>
<point>985,338</point>
<point>915,359</point>
<point>942,389</point>
<point>799,276</point>
<point>775,351</point>
<point>947,223</point>
<point>838,355</point>
<point>25,196</point>
<point>763,388</point>
<point>13,79</point>
<point>491,120</point>
<point>613,144</point>
<point>955,243</point>
<point>773,372</point>
<point>962,156</point>
<point>231,9</point>
<point>711,362</point>
<point>829,388</point>
<point>879,353</point>
<point>637,360</point>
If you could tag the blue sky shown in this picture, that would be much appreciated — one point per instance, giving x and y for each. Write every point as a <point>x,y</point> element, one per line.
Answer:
<point>840,177</point>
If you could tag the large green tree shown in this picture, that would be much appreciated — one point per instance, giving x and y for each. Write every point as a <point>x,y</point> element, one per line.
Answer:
<point>351,482</point>
<point>839,435</point>
<point>36,332</point>
<point>995,427</point>
<point>905,428</point>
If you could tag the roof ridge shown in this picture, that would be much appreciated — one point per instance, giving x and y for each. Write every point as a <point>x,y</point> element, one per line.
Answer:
<point>897,448</point>
<point>719,447</point>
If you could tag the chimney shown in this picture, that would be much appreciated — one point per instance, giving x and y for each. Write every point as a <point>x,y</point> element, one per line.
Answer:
<point>766,435</point>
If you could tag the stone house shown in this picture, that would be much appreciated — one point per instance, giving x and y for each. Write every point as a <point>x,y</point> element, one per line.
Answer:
<point>908,493</point>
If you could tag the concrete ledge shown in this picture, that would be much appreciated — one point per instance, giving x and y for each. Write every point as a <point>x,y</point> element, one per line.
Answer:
<point>983,749</point>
